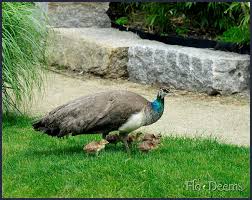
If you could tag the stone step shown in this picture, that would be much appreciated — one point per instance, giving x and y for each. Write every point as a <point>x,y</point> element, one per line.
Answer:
<point>76,14</point>
<point>112,53</point>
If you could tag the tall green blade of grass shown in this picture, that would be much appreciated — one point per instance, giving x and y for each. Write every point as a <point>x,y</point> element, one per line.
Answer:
<point>23,34</point>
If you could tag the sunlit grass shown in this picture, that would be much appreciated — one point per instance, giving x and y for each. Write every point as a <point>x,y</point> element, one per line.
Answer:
<point>36,165</point>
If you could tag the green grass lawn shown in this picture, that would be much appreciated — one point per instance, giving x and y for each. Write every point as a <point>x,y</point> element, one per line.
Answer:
<point>36,165</point>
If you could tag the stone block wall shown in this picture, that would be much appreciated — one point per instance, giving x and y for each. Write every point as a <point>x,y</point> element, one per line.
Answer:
<point>81,38</point>
<point>189,68</point>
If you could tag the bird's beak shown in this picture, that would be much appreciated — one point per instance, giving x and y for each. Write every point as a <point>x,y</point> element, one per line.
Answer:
<point>169,93</point>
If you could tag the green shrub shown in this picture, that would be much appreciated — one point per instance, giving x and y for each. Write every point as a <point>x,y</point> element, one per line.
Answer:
<point>23,32</point>
<point>122,20</point>
<point>239,35</point>
<point>240,10</point>
<point>159,14</point>
<point>215,17</point>
<point>241,32</point>
<point>207,15</point>
<point>181,31</point>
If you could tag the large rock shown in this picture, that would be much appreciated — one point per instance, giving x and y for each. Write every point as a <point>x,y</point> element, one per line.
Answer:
<point>102,52</point>
<point>77,14</point>
<point>111,53</point>
<point>189,68</point>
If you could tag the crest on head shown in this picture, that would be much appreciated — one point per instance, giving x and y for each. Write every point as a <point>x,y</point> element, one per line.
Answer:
<point>163,92</point>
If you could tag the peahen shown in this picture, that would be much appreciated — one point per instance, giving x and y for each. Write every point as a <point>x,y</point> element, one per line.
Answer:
<point>102,113</point>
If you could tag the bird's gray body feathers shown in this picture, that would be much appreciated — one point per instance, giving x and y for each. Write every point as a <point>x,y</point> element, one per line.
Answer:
<point>98,113</point>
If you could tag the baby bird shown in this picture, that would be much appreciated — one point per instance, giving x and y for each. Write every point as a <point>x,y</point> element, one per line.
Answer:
<point>151,137</point>
<point>149,142</point>
<point>133,137</point>
<point>94,147</point>
<point>146,146</point>
<point>113,138</point>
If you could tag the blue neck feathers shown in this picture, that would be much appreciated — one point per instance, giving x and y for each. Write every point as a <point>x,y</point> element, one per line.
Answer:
<point>158,105</point>
<point>154,111</point>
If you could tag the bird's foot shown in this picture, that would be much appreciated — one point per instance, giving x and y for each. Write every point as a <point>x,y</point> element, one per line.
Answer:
<point>125,141</point>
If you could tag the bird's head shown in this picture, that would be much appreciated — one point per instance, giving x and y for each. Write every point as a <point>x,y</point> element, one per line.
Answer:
<point>103,142</point>
<point>163,92</point>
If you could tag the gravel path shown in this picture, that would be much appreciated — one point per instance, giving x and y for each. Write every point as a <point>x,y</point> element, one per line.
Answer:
<point>186,114</point>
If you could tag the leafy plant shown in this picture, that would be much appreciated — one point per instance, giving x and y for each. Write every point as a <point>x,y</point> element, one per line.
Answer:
<point>236,34</point>
<point>206,15</point>
<point>23,32</point>
<point>181,31</point>
<point>241,9</point>
<point>130,7</point>
<point>122,20</point>
<point>157,16</point>
<point>241,32</point>
<point>183,18</point>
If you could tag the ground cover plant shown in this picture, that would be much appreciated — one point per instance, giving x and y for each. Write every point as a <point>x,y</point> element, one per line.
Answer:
<point>36,165</point>
<point>188,19</point>
<point>23,50</point>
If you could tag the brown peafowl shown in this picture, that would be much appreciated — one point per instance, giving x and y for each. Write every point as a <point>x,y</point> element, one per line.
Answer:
<point>103,112</point>
<point>94,147</point>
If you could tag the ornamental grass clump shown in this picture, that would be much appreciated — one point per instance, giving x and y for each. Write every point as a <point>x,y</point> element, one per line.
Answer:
<point>23,34</point>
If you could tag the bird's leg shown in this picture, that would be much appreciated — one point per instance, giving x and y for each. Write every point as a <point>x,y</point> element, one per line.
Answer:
<point>126,145</point>
<point>124,137</point>
<point>130,143</point>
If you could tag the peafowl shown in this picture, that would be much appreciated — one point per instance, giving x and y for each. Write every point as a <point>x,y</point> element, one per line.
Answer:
<point>149,142</point>
<point>94,147</point>
<point>147,146</point>
<point>103,112</point>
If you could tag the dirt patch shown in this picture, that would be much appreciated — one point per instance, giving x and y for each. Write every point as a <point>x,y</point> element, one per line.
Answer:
<point>235,99</point>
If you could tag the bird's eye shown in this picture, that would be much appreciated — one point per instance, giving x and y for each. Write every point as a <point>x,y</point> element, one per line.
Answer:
<point>165,90</point>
